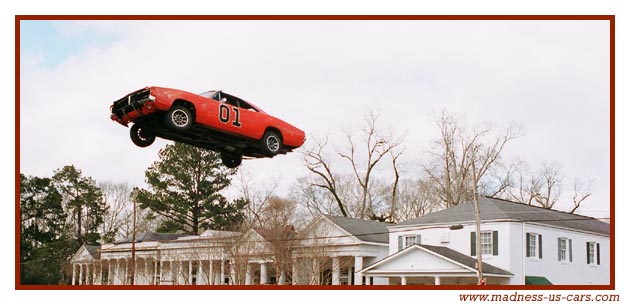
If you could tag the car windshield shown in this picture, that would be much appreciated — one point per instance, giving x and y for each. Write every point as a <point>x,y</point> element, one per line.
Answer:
<point>209,94</point>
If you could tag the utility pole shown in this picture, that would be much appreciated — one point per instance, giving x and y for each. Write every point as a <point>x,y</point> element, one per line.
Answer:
<point>133,244</point>
<point>477,223</point>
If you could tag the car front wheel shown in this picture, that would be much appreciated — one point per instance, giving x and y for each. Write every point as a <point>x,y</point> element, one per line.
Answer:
<point>141,136</point>
<point>231,160</point>
<point>271,143</point>
<point>179,118</point>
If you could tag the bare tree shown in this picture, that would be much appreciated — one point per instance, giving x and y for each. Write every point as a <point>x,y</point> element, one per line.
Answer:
<point>581,191</point>
<point>257,196</point>
<point>362,156</point>
<point>459,148</point>
<point>416,198</point>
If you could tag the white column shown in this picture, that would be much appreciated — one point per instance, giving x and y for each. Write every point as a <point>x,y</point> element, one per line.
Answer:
<point>92,273</point>
<point>294,272</point>
<point>263,274</point>
<point>316,271</point>
<point>283,277</point>
<point>368,280</point>
<point>155,271</point>
<point>358,265</point>
<point>172,274</point>
<point>248,274</point>
<point>125,272</point>
<point>232,274</point>
<point>74,273</point>
<point>180,273</point>
<point>211,278</point>
<point>437,280</point>
<point>88,273</point>
<point>81,282</point>
<point>116,278</point>
<point>403,280</point>
<point>201,277</point>
<point>222,274</point>
<point>190,275</point>
<point>335,270</point>
<point>100,272</point>
<point>110,276</point>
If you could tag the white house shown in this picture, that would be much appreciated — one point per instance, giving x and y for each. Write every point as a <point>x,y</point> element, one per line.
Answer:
<point>332,250</point>
<point>520,244</point>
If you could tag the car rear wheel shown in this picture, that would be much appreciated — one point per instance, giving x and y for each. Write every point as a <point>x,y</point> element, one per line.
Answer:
<point>179,118</point>
<point>141,135</point>
<point>271,143</point>
<point>231,160</point>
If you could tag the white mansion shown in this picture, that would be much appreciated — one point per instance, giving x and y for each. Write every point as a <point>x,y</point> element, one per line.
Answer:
<point>520,245</point>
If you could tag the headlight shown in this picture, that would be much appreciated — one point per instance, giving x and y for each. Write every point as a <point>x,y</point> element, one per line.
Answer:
<point>152,98</point>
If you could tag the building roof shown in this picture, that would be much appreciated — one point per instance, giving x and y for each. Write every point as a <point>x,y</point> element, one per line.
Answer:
<point>499,209</point>
<point>365,230</point>
<point>93,250</point>
<point>151,236</point>
<point>457,257</point>
<point>465,259</point>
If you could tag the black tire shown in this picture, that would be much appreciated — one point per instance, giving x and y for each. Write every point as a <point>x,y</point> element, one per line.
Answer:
<point>231,160</point>
<point>141,136</point>
<point>179,118</point>
<point>271,143</point>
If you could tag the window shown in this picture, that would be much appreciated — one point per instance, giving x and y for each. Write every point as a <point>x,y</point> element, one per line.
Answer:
<point>565,251</point>
<point>533,245</point>
<point>405,241</point>
<point>486,243</point>
<point>489,243</point>
<point>592,253</point>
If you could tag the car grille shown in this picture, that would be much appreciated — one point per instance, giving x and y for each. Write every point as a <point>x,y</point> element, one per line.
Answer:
<point>129,102</point>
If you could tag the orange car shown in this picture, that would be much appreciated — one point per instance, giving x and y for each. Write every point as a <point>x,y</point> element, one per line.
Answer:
<point>212,120</point>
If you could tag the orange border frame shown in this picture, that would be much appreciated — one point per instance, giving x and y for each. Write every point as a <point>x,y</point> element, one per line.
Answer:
<point>610,18</point>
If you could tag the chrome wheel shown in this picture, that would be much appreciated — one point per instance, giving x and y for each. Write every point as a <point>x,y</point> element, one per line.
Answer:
<point>273,143</point>
<point>180,118</point>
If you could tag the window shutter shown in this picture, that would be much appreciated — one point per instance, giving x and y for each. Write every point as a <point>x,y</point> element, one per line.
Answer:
<point>418,239</point>
<point>473,243</point>
<point>400,243</point>
<point>598,253</point>
<point>559,249</point>
<point>570,251</point>
<point>539,246</point>
<point>588,258</point>
<point>495,242</point>
<point>527,241</point>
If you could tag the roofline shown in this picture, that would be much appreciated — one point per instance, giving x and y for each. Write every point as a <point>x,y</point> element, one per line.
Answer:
<point>334,224</point>
<point>387,258</point>
<point>500,220</point>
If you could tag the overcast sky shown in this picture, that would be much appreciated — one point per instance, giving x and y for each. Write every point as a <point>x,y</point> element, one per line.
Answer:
<point>322,76</point>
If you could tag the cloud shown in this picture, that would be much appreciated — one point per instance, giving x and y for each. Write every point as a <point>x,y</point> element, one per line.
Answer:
<point>551,76</point>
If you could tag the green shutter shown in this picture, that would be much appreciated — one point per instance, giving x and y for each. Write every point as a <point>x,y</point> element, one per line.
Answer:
<point>418,239</point>
<point>473,243</point>
<point>495,242</point>
<point>598,253</point>
<point>400,243</point>
<point>539,246</point>
<point>570,251</point>
<point>527,240</point>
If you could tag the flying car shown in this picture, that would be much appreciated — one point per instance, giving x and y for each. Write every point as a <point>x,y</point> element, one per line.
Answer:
<point>212,120</point>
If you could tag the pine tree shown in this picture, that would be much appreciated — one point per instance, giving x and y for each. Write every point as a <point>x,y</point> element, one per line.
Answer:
<point>185,187</point>
<point>84,203</point>
<point>44,241</point>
